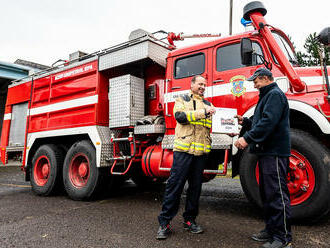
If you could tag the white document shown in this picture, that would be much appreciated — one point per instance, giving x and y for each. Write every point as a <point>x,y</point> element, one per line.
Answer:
<point>223,121</point>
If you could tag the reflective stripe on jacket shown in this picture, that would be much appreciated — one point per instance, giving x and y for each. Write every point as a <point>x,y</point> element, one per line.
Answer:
<point>192,131</point>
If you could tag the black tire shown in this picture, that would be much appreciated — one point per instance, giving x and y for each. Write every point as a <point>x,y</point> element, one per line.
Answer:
<point>147,182</point>
<point>118,181</point>
<point>77,186</point>
<point>50,157</point>
<point>143,181</point>
<point>214,159</point>
<point>317,203</point>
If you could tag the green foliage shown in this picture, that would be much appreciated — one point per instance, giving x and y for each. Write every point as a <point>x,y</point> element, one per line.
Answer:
<point>311,57</point>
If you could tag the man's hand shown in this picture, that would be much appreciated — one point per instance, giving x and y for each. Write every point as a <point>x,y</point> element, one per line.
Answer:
<point>210,110</point>
<point>240,119</point>
<point>241,143</point>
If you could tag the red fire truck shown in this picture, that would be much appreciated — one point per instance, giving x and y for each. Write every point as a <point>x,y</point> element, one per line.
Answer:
<point>108,116</point>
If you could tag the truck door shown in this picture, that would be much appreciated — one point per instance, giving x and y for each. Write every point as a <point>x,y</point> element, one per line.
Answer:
<point>229,86</point>
<point>184,68</point>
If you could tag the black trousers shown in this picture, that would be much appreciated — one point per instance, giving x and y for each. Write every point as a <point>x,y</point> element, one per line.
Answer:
<point>275,196</point>
<point>185,167</point>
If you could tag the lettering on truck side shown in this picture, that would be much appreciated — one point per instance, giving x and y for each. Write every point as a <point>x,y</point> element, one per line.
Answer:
<point>73,72</point>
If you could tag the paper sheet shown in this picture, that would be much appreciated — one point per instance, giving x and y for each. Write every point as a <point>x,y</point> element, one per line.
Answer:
<point>223,121</point>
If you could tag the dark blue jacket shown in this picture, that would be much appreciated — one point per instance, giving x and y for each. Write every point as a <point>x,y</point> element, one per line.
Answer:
<point>269,129</point>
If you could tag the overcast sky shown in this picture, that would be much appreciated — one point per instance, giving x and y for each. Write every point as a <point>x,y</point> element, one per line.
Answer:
<point>44,31</point>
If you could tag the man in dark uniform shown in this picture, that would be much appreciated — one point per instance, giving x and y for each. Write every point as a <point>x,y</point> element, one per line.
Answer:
<point>268,137</point>
<point>192,142</point>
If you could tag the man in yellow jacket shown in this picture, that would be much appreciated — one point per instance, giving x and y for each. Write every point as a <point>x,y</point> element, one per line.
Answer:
<point>192,142</point>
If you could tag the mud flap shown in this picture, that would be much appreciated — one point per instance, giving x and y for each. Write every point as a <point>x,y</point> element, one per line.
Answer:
<point>26,170</point>
<point>235,159</point>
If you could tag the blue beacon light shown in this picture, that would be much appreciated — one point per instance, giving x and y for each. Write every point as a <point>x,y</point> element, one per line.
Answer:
<point>245,22</point>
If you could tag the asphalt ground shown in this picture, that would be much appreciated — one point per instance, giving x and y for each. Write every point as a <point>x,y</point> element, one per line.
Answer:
<point>127,217</point>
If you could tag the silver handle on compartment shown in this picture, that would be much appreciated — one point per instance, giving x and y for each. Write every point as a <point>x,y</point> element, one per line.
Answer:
<point>176,88</point>
<point>166,98</point>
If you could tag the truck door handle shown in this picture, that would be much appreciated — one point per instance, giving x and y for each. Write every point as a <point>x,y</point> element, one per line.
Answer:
<point>218,81</point>
<point>175,88</point>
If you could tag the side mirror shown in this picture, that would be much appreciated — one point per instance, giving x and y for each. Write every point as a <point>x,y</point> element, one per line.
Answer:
<point>246,51</point>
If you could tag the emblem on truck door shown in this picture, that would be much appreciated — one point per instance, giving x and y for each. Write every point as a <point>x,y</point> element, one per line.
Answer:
<point>238,85</point>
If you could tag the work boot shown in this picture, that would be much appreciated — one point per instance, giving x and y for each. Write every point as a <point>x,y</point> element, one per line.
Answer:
<point>164,232</point>
<point>192,227</point>
<point>262,236</point>
<point>276,244</point>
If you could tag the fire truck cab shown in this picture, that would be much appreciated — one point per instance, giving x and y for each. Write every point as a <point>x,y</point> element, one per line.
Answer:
<point>107,116</point>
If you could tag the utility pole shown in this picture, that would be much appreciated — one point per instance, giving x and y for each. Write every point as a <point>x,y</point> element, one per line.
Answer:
<point>231,18</point>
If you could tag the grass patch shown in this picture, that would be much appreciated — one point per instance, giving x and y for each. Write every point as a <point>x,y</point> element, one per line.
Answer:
<point>229,172</point>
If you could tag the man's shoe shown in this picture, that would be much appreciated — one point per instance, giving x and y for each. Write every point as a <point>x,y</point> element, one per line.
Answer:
<point>276,244</point>
<point>164,232</point>
<point>262,236</point>
<point>192,227</point>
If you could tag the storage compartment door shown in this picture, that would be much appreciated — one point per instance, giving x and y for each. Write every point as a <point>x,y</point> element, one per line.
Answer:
<point>126,101</point>
<point>18,125</point>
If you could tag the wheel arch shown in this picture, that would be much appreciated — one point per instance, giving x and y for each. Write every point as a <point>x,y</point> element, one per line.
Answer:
<point>97,135</point>
<point>311,113</point>
<point>316,204</point>
<point>63,141</point>
<point>304,110</point>
<point>302,116</point>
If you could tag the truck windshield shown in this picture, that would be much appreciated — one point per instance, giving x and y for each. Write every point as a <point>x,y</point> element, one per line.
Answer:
<point>286,49</point>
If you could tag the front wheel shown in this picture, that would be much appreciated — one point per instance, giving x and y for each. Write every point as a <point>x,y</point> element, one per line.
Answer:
<point>82,179</point>
<point>308,181</point>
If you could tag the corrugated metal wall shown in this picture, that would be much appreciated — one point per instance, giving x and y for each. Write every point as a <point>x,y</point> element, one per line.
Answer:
<point>9,72</point>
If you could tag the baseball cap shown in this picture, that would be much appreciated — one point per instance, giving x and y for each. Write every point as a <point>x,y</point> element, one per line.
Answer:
<point>260,72</point>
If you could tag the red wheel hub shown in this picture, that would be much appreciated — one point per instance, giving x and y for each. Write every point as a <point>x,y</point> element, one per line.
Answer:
<point>83,169</point>
<point>41,171</point>
<point>301,178</point>
<point>45,170</point>
<point>79,170</point>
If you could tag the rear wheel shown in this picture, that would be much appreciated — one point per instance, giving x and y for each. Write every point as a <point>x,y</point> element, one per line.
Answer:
<point>214,159</point>
<point>143,181</point>
<point>82,179</point>
<point>308,180</point>
<point>46,171</point>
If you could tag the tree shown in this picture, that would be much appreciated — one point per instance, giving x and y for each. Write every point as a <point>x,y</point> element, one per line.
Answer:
<point>312,58</point>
